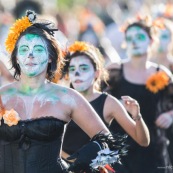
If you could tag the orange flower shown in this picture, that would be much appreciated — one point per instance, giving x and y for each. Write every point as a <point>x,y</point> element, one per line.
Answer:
<point>78,46</point>
<point>159,23</point>
<point>18,27</point>
<point>11,117</point>
<point>157,81</point>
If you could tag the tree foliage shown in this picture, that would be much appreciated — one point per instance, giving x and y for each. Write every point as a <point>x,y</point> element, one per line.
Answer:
<point>67,4</point>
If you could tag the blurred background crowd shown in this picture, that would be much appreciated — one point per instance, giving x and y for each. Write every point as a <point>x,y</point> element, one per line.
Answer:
<point>98,21</point>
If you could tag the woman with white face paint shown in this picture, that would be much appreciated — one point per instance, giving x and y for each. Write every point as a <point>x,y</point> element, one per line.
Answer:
<point>34,111</point>
<point>162,49</point>
<point>142,80</point>
<point>162,53</point>
<point>85,70</point>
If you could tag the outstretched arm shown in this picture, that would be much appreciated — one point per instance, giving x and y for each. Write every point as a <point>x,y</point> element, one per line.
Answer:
<point>134,126</point>
<point>102,142</point>
<point>86,117</point>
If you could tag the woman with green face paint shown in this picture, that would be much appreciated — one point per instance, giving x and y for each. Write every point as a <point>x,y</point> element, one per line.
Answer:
<point>162,49</point>
<point>143,81</point>
<point>34,111</point>
<point>162,53</point>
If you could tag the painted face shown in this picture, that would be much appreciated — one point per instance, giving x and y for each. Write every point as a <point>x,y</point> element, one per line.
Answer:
<point>137,41</point>
<point>32,55</point>
<point>81,73</point>
<point>164,40</point>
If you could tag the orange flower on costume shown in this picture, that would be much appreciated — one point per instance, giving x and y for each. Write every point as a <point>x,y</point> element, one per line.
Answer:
<point>11,117</point>
<point>19,26</point>
<point>157,81</point>
<point>78,46</point>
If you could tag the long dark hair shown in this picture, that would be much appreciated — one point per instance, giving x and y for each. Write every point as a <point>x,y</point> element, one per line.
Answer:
<point>142,26</point>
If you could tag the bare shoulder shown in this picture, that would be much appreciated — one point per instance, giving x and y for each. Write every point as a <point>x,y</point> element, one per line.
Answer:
<point>114,66</point>
<point>65,90</point>
<point>9,88</point>
<point>1,63</point>
<point>153,66</point>
<point>112,102</point>
<point>166,70</point>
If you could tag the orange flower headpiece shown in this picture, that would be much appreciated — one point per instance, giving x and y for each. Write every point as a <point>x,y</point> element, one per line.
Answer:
<point>22,24</point>
<point>86,48</point>
<point>145,19</point>
<point>78,46</point>
<point>18,27</point>
<point>159,23</point>
<point>82,47</point>
<point>157,81</point>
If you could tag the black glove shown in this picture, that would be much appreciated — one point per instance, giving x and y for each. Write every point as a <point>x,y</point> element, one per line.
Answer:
<point>89,152</point>
<point>83,157</point>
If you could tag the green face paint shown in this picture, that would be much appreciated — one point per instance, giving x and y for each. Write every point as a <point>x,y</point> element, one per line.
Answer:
<point>29,37</point>
<point>82,68</point>
<point>81,73</point>
<point>37,50</point>
<point>32,55</point>
<point>164,40</point>
<point>137,41</point>
<point>137,38</point>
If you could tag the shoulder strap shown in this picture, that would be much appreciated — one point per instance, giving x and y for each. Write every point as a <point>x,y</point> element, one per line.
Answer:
<point>158,68</point>
<point>104,96</point>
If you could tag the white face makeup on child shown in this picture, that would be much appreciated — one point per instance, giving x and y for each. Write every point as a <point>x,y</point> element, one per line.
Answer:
<point>32,55</point>
<point>137,41</point>
<point>81,73</point>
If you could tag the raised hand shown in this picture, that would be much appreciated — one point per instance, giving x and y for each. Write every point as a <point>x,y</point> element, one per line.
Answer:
<point>131,105</point>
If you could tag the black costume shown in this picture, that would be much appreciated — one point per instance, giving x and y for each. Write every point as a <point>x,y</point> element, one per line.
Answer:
<point>75,137</point>
<point>154,158</point>
<point>166,105</point>
<point>31,146</point>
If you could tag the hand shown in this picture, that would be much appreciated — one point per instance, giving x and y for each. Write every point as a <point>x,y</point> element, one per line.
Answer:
<point>83,158</point>
<point>102,170</point>
<point>164,120</point>
<point>131,105</point>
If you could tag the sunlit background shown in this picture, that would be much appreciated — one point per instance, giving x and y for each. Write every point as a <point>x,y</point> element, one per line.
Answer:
<point>95,21</point>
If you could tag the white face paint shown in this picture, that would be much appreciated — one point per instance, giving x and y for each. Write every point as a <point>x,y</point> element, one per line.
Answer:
<point>81,73</point>
<point>164,40</point>
<point>32,55</point>
<point>137,41</point>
